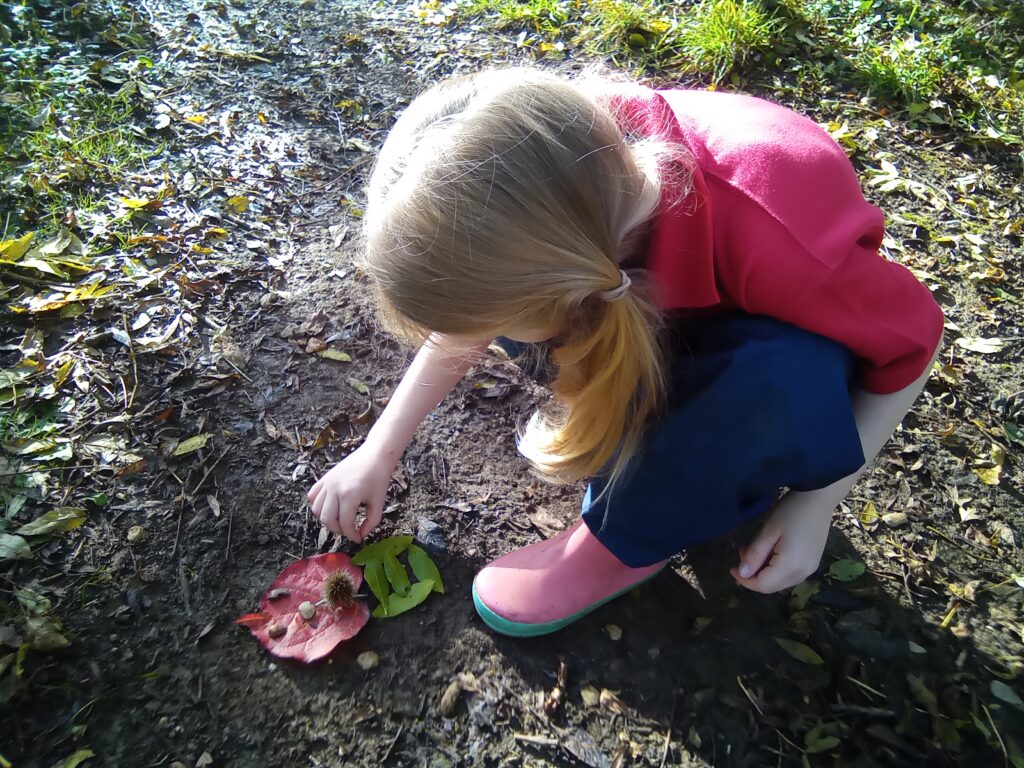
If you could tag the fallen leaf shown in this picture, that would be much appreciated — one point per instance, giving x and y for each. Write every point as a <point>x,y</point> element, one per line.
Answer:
<point>398,577</point>
<point>205,760</point>
<point>78,758</point>
<point>307,640</point>
<point>801,593</point>
<point>238,203</point>
<point>336,354</point>
<point>14,548</point>
<point>358,386</point>
<point>845,570</point>
<point>423,567</point>
<point>799,651</point>
<point>985,346</point>
<point>376,551</point>
<point>895,519</point>
<point>1006,694</point>
<point>192,444</point>
<point>54,521</point>
<point>397,604</point>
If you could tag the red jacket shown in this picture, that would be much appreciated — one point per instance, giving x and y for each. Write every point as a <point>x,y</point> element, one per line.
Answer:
<point>775,224</point>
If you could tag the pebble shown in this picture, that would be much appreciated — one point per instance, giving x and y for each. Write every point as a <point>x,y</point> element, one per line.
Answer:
<point>590,695</point>
<point>430,536</point>
<point>614,631</point>
<point>894,519</point>
<point>368,660</point>
<point>307,610</point>
<point>137,534</point>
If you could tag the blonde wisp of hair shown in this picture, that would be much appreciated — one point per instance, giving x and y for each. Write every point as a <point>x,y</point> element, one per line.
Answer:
<point>502,201</point>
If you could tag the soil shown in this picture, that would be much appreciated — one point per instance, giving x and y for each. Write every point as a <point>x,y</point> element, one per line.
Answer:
<point>160,673</point>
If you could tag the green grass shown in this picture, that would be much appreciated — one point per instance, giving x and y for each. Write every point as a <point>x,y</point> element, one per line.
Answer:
<point>547,17</point>
<point>721,35</point>
<point>941,61</point>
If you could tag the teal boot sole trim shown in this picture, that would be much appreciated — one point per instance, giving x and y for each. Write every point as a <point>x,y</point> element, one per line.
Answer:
<point>518,629</point>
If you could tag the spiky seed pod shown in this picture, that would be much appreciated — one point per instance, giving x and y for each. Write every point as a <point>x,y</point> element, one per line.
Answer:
<point>339,589</point>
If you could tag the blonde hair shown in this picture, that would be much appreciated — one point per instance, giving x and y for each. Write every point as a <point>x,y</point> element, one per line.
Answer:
<point>504,200</point>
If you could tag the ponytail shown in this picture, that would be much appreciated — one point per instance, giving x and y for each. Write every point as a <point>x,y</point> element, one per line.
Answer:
<point>610,382</point>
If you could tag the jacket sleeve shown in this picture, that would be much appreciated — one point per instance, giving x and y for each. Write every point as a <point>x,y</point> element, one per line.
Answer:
<point>873,306</point>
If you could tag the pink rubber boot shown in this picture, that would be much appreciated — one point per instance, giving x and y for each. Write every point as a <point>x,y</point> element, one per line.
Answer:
<point>548,585</point>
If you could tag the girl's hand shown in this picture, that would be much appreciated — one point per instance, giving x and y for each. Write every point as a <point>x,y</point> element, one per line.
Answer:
<point>787,550</point>
<point>360,479</point>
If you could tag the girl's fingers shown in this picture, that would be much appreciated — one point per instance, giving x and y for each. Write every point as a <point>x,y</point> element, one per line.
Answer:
<point>313,493</point>
<point>755,556</point>
<point>347,521</point>
<point>329,513</point>
<point>374,513</point>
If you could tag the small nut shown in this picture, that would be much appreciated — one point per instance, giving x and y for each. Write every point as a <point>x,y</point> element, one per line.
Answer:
<point>307,610</point>
<point>368,660</point>
<point>137,534</point>
<point>276,630</point>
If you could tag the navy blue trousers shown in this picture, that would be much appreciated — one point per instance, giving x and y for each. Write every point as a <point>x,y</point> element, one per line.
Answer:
<point>755,406</point>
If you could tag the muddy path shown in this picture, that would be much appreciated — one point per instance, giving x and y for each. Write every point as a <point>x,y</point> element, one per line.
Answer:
<point>685,671</point>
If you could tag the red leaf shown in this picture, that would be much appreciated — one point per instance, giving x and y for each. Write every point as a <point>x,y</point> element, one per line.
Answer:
<point>307,640</point>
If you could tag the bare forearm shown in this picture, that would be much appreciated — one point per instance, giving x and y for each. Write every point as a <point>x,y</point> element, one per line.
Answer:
<point>434,372</point>
<point>877,417</point>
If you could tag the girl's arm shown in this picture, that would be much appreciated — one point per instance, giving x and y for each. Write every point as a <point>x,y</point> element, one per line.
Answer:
<point>362,478</point>
<point>796,531</point>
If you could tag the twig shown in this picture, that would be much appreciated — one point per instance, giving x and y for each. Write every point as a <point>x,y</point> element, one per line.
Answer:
<point>906,585</point>
<point>231,522</point>
<point>539,741</point>
<point>135,366</point>
<point>1002,746</point>
<point>747,693</point>
<point>391,746</point>
<point>668,734</point>
<point>208,471</point>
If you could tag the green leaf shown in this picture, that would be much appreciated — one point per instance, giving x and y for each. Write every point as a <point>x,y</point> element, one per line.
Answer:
<point>376,551</point>
<point>358,386</point>
<point>44,634</point>
<point>801,593</point>
<point>33,602</point>
<point>799,651</point>
<point>192,444</point>
<point>1006,694</point>
<point>54,521</point>
<point>923,694</point>
<point>78,758</point>
<point>396,574</point>
<point>423,567</point>
<point>336,354</point>
<point>845,570</point>
<point>12,250</point>
<point>397,604</point>
<point>14,548</point>
<point>378,581</point>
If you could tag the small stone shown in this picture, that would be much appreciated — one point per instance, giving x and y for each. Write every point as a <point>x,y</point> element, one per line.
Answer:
<point>895,519</point>
<point>137,534</point>
<point>307,610</point>
<point>614,631</point>
<point>368,660</point>
<point>591,696</point>
<point>276,630</point>
<point>279,592</point>
<point>430,536</point>
<point>450,698</point>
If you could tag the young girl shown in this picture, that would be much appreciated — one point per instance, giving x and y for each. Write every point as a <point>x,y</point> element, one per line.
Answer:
<point>706,272</point>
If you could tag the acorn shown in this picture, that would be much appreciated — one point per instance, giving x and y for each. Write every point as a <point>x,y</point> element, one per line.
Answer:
<point>339,589</point>
<point>276,630</point>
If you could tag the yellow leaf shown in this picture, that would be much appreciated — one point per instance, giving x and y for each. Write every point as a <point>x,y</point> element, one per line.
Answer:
<point>988,475</point>
<point>869,515</point>
<point>799,651</point>
<point>198,119</point>
<point>192,444</point>
<point>336,354</point>
<point>238,203</point>
<point>135,203</point>
<point>12,250</point>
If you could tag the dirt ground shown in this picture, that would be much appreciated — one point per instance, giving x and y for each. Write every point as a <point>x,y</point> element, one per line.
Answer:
<point>159,671</point>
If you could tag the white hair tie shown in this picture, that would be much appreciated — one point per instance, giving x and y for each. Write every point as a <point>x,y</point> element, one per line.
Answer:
<point>617,293</point>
